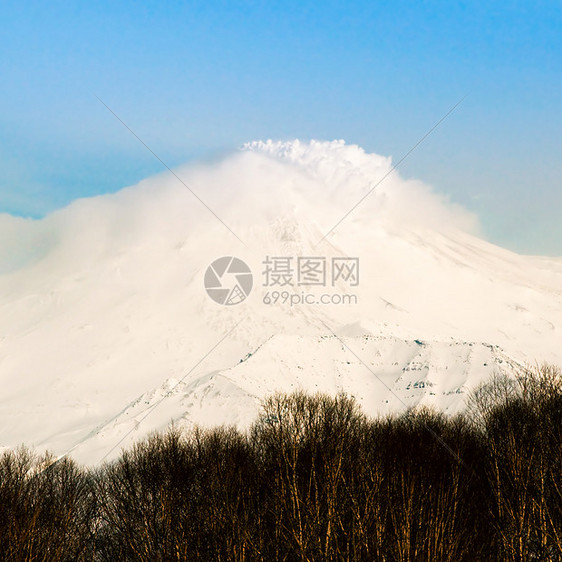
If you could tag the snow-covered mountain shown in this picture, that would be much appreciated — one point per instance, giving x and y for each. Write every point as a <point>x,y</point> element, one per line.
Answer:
<point>107,332</point>
<point>385,374</point>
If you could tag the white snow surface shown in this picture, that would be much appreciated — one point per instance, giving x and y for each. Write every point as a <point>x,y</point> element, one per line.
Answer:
<point>107,333</point>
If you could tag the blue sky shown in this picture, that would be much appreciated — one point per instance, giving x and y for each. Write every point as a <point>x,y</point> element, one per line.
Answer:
<point>195,79</point>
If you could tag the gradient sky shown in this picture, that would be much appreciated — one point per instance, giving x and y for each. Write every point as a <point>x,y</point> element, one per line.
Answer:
<point>195,79</point>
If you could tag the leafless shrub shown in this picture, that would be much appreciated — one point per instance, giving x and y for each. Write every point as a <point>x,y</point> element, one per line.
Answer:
<point>313,479</point>
<point>47,508</point>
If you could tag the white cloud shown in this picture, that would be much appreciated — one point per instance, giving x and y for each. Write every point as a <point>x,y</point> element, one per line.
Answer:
<point>314,182</point>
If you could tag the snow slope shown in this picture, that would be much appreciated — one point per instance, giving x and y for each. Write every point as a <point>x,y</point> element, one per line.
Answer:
<point>385,374</point>
<point>103,309</point>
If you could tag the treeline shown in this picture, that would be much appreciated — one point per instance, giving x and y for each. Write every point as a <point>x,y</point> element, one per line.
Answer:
<point>314,479</point>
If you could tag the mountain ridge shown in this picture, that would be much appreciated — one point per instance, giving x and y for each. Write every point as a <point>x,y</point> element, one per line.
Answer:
<point>115,303</point>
